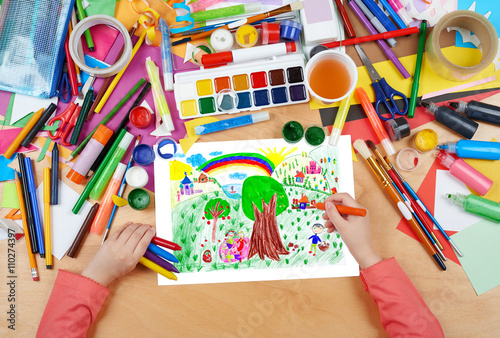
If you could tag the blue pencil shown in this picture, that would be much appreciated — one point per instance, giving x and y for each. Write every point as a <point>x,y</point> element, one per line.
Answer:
<point>162,253</point>
<point>34,205</point>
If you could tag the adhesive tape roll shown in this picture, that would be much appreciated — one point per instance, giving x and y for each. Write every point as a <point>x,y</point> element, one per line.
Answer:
<point>476,23</point>
<point>92,21</point>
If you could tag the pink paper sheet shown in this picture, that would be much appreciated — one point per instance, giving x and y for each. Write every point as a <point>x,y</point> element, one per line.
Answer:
<point>104,37</point>
<point>7,136</point>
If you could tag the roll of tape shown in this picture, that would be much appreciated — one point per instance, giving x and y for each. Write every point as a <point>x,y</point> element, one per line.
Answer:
<point>92,21</point>
<point>476,23</point>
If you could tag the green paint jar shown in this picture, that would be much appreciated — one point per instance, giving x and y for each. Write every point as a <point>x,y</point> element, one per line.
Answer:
<point>138,199</point>
<point>315,135</point>
<point>292,132</point>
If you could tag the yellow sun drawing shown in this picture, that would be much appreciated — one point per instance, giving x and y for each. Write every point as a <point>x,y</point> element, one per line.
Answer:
<point>276,157</point>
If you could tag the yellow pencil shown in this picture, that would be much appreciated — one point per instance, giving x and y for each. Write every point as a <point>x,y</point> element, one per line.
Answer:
<point>17,141</point>
<point>156,268</point>
<point>118,76</point>
<point>46,212</point>
<point>31,256</point>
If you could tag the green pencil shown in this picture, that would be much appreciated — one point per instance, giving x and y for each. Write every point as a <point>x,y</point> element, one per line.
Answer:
<point>418,66</point>
<point>93,180</point>
<point>81,15</point>
<point>106,119</point>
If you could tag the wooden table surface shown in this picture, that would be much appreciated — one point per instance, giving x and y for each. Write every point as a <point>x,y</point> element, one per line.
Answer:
<point>137,306</point>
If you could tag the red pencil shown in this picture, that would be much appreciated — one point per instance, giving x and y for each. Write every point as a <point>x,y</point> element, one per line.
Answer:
<point>380,36</point>
<point>166,244</point>
<point>71,69</point>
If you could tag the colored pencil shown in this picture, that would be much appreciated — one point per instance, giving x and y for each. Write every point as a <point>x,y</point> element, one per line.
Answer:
<point>20,137</point>
<point>27,204</point>
<point>418,66</point>
<point>46,217</point>
<point>162,253</point>
<point>31,256</point>
<point>165,243</point>
<point>372,37</point>
<point>156,268</point>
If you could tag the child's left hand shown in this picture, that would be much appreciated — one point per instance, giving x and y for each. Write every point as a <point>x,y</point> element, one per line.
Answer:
<point>120,253</point>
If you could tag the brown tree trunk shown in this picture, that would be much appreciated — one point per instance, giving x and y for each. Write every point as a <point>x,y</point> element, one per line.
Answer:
<point>214,228</point>
<point>265,239</point>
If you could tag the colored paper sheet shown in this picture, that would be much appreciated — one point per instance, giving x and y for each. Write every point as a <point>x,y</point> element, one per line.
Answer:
<point>213,192</point>
<point>63,152</point>
<point>9,197</point>
<point>8,112</point>
<point>24,104</point>
<point>44,150</point>
<point>103,36</point>
<point>429,81</point>
<point>481,254</point>
<point>64,224</point>
<point>431,11</point>
<point>4,101</point>
<point>451,216</point>
<point>106,7</point>
<point>468,85</point>
<point>6,173</point>
<point>7,136</point>
<point>483,8</point>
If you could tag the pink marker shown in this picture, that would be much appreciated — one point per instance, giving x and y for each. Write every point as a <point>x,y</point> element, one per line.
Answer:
<point>465,173</point>
<point>401,11</point>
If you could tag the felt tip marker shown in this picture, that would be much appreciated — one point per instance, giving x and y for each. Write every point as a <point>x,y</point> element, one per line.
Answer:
<point>401,11</point>
<point>248,54</point>
<point>166,57</point>
<point>239,121</point>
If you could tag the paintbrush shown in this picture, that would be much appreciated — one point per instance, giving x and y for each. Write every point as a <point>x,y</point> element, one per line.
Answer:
<point>294,6</point>
<point>362,148</point>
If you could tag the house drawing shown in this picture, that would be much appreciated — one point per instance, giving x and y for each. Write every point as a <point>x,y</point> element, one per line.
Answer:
<point>299,177</point>
<point>186,186</point>
<point>313,168</point>
<point>303,202</point>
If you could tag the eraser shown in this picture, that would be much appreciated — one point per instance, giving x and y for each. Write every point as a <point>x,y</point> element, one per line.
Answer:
<point>320,21</point>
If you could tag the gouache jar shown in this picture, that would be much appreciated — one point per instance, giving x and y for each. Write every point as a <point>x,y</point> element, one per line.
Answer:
<point>315,135</point>
<point>290,30</point>
<point>426,140</point>
<point>141,117</point>
<point>143,154</point>
<point>138,199</point>
<point>270,33</point>
<point>247,36</point>
<point>292,132</point>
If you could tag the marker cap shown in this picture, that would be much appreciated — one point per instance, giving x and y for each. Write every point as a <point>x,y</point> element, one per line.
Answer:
<point>260,117</point>
<point>334,136</point>
<point>388,146</point>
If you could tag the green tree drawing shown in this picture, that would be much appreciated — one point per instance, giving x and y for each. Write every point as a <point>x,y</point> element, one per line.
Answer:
<point>263,198</point>
<point>214,209</point>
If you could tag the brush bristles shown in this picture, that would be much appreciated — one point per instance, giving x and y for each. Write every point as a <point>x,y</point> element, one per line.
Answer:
<point>297,5</point>
<point>361,147</point>
<point>371,145</point>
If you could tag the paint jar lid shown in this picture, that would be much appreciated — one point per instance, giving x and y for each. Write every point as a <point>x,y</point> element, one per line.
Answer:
<point>141,117</point>
<point>227,100</point>
<point>290,30</point>
<point>136,177</point>
<point>426,140</point>
<point>247,36</point>
<point>270,33</point>
<point>408,159</point>
<point>138,199</point>
<point>166,147</point>
<point>102,134</point>
<point>75,176</point>
<point>292,132</point>
<point>316,49</point>
<point>222,40</point>
<point>397,128</point>
<point>315,135</point>
<point>143,154</point>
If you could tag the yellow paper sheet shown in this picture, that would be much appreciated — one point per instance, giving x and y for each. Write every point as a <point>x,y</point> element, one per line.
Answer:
<point>490,169</point>
<point>429,80</point>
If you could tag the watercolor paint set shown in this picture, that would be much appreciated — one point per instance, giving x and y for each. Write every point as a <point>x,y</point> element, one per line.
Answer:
<point>240,87</point>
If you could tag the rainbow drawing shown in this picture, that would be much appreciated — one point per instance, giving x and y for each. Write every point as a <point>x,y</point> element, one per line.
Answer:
<point>247,160</point>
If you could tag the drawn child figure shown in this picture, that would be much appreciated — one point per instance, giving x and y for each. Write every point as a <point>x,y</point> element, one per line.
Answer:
<point>240,246</point>
<point>317,229</point>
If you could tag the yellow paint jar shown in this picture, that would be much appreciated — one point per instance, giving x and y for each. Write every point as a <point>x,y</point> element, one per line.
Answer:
<point>426,140</point>
<point>247,36</point>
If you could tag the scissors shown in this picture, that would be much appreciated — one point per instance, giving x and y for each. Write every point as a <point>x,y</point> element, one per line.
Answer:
<point>384,94</point>
<point>64,85</point>
<point>67,119</point>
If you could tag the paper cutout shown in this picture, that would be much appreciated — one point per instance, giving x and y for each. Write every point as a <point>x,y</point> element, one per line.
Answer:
<point>24,104</point>
<point>458,88</point>
<point>6,173</point>
<point>106,7</point>
<point>64,224</point>
<point>188,142</point>
<point>481,254</point>
<point>450,216</point>
<point>429,81</point>
<point>9,197</point>
<point>218,198</point>
<point>44,150</point>
<point>12,212</point>
<point>119,201</point>
<point>482,7</point>
<point>7,136</point>
<point>431,11</point>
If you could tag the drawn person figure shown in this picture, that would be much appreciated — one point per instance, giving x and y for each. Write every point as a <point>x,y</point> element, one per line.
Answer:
<point>230,239</point>
<point>240,244</point>
<point>178,196</point>
<point>317,229</point>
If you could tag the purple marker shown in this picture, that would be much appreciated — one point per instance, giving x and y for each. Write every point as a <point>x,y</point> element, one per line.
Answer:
<point>388,52</point>
<point>161,262</point>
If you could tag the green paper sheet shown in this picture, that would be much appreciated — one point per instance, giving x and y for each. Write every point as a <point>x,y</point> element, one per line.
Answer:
<point>481,254</point>
<point>106,7</point>
<point>9,197</point>
<point>44,149</point>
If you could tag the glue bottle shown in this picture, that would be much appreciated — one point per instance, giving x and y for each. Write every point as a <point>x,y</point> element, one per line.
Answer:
<point>465,173</point>
<point>478,111</point>
<point>103,214</point>
<point>477,205</point>
<point>89,154</point>
<point>473,149</point>
<point>451,119</point>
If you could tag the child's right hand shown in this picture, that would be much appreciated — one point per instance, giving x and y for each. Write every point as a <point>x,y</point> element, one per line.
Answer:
<point>120,253</point>
<point>354,230</point>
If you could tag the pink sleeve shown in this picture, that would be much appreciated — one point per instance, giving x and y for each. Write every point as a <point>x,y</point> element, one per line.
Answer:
<point>72,307</point>
<point>403,312</point>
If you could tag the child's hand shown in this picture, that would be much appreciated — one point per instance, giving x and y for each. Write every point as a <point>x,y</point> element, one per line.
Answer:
<point>354,230</point>
<point>120,253</point>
